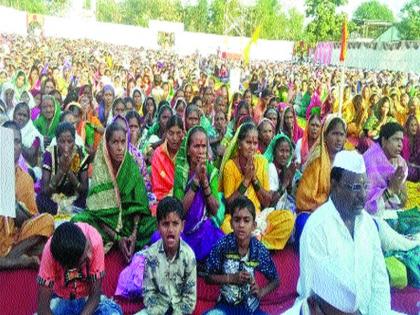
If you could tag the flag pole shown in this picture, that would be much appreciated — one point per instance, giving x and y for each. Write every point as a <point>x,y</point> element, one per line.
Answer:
<point>343,52</point>
<point>341,96</point>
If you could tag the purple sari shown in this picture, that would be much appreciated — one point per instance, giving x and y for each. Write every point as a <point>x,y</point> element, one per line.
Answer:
<point>379,170</point>
<point>199,233</point>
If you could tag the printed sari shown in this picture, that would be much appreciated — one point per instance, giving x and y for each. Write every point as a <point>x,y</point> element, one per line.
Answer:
<point>199,231</point>
<point>114,199</point>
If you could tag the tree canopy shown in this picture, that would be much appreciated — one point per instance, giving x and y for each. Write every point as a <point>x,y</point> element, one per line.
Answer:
<point>410,21</point>
<point>374,10</point>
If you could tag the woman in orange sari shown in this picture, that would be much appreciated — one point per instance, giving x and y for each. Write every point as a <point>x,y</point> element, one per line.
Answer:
<point>314,185</point>
<point>163,161</point>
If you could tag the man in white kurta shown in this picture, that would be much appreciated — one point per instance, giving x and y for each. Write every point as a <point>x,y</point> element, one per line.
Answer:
<point>342,237</point>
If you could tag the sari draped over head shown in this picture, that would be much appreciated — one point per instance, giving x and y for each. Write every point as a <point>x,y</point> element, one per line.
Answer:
<point>373,122</point>
<point>199,230</point>
<point>23,88</point>
<point>153,133</point>
<point>136,154</point>
<point>143,98</point>
<point>411,152</point>
<point>269,153</point>
<point>84,129</point>
<point>8,109</point>
<point>263,120</point>
<point>274,226</point>
<point>297,131</point>
<point>314,185</point>
<point>379,169</point>
<point>305,149</point>
<point>101,108</point>
<point>114,200</point>
<point>45,127</point>
<point>162,172</point>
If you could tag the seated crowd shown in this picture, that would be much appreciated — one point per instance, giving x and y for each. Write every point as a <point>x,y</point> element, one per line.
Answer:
<point>155,162</point>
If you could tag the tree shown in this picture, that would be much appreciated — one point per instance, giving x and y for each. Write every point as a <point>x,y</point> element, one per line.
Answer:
<point>373,10</point>
<point>196,18</point>
<point>410,21</point>
<point>325,24</point>
<point>295,25</point>
<point>37,6</point>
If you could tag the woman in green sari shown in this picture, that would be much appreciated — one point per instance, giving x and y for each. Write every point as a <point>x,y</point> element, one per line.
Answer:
<point>196,186</point>
<point>49,118</point>
<point>117,204</point>
<point>381,115</point>
<point>20,84</point>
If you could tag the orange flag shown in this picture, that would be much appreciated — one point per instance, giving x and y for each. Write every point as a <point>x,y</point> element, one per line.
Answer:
<point>344,39</point>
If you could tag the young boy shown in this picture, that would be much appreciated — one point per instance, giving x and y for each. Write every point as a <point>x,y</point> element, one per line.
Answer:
<point>170,275</point>
<point>72,267</point>
<point>233,261</point>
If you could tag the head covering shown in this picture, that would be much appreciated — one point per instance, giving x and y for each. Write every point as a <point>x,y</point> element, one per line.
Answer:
<point>154,130</point>
<point>320,148</point>
<point>8,86</point>
<point>182,166</point>
<point>230,153</point>
<point>24,87</point>
<point>297,131</point>
<point>350,161</point>
<point>269,153</point>
<point>142,96</point>
<point>43,125</point>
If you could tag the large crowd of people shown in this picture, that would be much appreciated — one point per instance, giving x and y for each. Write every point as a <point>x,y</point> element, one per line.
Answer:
<point>149,151</point>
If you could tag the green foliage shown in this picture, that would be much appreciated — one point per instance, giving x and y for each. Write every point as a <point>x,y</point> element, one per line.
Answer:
<point>207,16</point>
<point>373,10</point>
<point>410,21</point>
<point>55,7</point>
<point>326,24</point>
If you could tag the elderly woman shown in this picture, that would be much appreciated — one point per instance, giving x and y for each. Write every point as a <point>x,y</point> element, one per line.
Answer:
<point>49,118</point>
<point>244,172</point>
<point>196,186</point>
<point>32,140</point>
<point>64,173</point>
<point>117,205</point>
<point>266,132</point>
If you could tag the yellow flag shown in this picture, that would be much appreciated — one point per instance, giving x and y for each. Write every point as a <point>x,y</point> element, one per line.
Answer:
<point>256,34</point>
<point>254,38</point>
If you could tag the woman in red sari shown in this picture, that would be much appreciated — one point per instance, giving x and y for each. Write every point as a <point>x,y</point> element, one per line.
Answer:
<point>163,161</point>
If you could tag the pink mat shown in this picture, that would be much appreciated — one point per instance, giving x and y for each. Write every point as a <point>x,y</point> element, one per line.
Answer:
<point>18,289</point>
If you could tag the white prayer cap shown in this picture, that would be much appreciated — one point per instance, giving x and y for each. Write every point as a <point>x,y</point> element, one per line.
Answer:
<point>334,287</point>
<point>351,161</point>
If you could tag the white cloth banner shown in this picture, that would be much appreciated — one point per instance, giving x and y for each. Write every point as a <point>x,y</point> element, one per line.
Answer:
<point>7,173</point>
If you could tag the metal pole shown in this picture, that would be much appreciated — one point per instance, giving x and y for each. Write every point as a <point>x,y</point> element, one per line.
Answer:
<point>340,100</point>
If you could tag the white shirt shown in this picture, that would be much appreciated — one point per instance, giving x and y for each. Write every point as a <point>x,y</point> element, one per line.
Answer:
<point>358,262</point>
